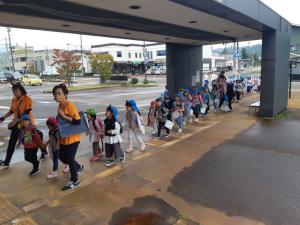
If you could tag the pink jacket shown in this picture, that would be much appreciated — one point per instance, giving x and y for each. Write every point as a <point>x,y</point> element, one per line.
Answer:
<point>96,132</point>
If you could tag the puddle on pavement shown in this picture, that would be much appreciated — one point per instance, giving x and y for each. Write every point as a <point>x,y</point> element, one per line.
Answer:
<point>148,210</point>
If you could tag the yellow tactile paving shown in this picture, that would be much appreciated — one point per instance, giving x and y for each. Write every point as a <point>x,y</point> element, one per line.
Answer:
<point>24,221</point>
<point>7,210</point>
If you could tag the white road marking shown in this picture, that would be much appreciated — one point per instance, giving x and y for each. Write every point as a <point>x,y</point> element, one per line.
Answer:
<point>44,102</point>
<point>3,107</point>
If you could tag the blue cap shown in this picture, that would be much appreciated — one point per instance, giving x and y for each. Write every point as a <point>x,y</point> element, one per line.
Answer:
<point>179,95</point>
<point>186,90</point>
<point>114,110</point>
<point>133,104</point>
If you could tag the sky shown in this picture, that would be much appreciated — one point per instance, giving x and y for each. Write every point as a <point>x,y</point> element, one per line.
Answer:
<point>289,9</point>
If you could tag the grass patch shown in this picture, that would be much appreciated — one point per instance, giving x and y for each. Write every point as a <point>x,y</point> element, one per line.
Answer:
<point>101,86</point>
<point>88,87</point>
<point>282,115</point>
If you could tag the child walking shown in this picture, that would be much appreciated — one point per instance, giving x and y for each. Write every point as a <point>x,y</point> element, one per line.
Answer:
<point>187,101</point>
<point>95,133</point>
<point>53,143</point>
<point>113,139</point>
<point>178,111</point>
<point>31,140</point>
<point>135,125</point>
<point>152,118</point>
<point>197,101</point>
<point>206,100</point>
<point>161,116</point>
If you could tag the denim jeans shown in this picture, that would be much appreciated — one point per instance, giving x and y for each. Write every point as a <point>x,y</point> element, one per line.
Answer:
<point>55,155</point>
<point>179,122</point>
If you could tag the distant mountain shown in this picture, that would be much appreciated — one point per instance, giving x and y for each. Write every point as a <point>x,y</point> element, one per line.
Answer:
<point>250,50</point>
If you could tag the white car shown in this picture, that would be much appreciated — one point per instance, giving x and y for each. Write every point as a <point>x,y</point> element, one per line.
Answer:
<point>157,72</point>
<point>148,72</point>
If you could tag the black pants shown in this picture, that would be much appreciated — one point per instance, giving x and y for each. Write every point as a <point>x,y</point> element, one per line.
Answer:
<point>13,139</point>
<point>238,95</point>
<point>160,126</point>
<point>30,155</point>
<point>229,101</point>
<point>43,150</point>
<point>67,155</point>
<point>113,149</point>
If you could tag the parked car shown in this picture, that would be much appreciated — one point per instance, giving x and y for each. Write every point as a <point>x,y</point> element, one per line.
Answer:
<point>18,76</point>
<point>157,72</point>
<point>9,76</point>
<point>2,77</point>
<point>31,79</point>
<point>148,72</point>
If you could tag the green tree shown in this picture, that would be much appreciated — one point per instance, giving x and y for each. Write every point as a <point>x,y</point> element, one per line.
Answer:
<point>103,64</point>
<point>244,53</point>
<point>256,60</point>
<point>67,63</point>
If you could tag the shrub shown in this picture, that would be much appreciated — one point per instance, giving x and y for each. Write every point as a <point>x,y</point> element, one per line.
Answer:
<point>146,81</point>
<point>134,80</point>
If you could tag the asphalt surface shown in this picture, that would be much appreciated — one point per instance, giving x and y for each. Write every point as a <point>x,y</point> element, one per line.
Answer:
<point>44,105</point>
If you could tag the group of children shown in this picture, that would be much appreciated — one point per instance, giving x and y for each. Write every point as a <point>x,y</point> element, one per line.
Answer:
<point>105,135</point>
<point>164,112</point>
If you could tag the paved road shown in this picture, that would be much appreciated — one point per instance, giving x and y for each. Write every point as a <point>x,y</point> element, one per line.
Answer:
<point>44,105</point>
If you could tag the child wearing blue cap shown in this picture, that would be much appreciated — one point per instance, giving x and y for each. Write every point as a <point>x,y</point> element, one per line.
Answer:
<point>113,139</point>
<point>187,101</point>
<point>178,111</point>
<point>31,140</point>
<point>133,119</point>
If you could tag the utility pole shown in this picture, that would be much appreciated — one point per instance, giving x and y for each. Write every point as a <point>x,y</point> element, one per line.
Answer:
<point>11,50</point>
<point>146,57</point>
<point>82,68</point>
<point>239,60</point>
<point>26,57</point>
<point>7,54</point>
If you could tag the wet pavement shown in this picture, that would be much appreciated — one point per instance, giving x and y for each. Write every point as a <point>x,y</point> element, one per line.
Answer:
<point>229,169</point>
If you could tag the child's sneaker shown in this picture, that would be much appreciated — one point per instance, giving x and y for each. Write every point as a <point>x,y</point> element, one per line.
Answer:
<point>70,185</point>
<point>81,167</point>
<point>66,169</point>
<point>143,147</point>
<point>184,123</point>
<point>191,121</point>
<point>180,130</point>
<point>34,172</point>
<point>94,158</point>
<point>122,158</point>
<point>196,120</point>
<point>110,162</point>
<point>167,135</point>
<point>52,175</point>
<point>129,149</point>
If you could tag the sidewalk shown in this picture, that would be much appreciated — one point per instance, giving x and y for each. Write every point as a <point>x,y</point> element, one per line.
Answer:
<point>200,177</point>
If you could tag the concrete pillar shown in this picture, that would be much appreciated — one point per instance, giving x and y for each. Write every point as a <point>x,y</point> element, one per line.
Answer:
<point>275,70</point>
<point>184,66</point>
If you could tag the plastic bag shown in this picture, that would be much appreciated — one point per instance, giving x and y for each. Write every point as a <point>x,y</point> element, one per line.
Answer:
<point>169,124</point>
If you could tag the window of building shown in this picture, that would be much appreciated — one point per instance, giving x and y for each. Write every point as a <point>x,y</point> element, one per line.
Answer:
<point>129,55</point>
<point>119,54</point>
<point>294,47</point>
<point>136,55</point>
<point>151,55</point>
<point>22,59</point>
<point>161,53</point>
<point>140,55</point>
